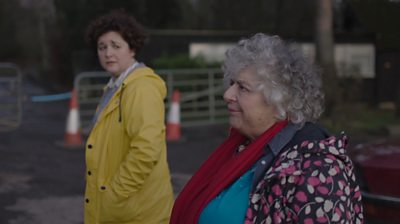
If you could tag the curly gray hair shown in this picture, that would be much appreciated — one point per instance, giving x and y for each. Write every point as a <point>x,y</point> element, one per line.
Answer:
<point>288,80</point>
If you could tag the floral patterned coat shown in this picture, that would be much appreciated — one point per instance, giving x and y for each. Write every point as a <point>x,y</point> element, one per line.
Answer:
<point>310,182</point>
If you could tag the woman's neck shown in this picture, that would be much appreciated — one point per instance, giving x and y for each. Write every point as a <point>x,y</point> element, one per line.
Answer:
<point>115,76</point>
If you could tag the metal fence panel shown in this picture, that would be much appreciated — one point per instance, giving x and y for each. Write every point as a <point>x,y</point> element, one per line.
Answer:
<point>201,94</point>
<point>10,97</point>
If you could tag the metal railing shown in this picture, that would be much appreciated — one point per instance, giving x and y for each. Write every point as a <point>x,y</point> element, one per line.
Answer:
<point>381,199</point>
<point>10,97</point>
<point>201,94</point>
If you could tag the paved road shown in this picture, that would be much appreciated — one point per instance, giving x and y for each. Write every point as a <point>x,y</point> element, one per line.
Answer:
<point>42,182</point>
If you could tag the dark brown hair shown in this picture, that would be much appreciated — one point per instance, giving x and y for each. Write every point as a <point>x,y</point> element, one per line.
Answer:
<point>121,22</point>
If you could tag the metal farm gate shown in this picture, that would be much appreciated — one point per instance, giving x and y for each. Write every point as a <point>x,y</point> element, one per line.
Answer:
<point>10,97</point>
<point>201,93</point>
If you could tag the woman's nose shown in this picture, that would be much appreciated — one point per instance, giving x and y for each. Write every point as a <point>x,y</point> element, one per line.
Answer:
<point>108,52</point>
<point>229,95</point>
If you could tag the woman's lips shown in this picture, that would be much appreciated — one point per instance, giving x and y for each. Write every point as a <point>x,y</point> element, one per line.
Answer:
<point>232,111</point>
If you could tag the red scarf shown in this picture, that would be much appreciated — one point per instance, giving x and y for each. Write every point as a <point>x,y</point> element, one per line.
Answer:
<point>220,170</point>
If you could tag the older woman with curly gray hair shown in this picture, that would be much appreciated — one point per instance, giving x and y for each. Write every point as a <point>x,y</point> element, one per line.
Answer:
<point>277,165</point>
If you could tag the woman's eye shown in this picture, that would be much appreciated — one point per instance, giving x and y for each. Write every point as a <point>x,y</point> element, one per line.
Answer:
<point>101,48</point>
<point>231,83</point>
<point>242,87</point>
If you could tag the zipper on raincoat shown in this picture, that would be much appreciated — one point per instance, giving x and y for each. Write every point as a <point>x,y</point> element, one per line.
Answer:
<point>120,103</point>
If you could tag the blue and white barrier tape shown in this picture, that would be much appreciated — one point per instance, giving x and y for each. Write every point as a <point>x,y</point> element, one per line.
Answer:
<point>53,97</point>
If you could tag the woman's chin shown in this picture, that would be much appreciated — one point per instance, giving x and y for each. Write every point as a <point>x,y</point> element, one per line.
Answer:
<point>111,69</point>
<point>233,123</point>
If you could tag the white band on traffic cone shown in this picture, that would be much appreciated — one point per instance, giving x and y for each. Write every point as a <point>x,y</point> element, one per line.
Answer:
<point>174,114</point>
<point>73,121</point>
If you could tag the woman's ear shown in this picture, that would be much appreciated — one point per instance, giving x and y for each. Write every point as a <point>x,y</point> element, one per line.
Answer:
<point>133,54</point>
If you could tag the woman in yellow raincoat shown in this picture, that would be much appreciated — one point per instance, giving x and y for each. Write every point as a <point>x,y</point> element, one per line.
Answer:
<point>127,176</point>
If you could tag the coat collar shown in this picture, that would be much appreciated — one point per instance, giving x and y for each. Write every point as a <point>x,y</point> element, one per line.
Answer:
<point>140,71</point>
<point>283,138</point>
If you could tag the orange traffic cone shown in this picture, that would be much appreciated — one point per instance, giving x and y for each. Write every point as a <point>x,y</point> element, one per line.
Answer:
<point>73,136</point>
<point>173,122</point>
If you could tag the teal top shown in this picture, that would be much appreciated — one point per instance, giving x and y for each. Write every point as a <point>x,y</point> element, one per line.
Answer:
<point>231,204</point>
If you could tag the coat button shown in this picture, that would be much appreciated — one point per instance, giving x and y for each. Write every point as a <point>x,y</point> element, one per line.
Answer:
<point>90,146</point>
<point>89,173</point>
<point>87,200</point>
<point>103,188</point>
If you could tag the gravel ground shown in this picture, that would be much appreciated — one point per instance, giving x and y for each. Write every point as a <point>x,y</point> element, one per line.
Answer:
<point>42,182</point>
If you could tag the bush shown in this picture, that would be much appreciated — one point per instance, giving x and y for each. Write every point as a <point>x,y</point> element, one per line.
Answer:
<point>360,120</point>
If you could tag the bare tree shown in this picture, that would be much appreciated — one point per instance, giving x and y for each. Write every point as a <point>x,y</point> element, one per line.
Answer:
<point>325,52</point>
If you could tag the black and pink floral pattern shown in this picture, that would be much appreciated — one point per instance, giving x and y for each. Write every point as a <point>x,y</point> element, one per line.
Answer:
<point>309,183</point>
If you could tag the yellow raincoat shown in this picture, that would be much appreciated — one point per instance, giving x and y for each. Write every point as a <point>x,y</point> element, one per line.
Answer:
<point>127,176</point>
